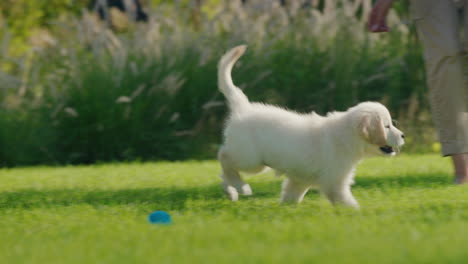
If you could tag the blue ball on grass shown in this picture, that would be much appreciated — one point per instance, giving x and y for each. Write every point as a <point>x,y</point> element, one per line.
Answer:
<point>159,217</point>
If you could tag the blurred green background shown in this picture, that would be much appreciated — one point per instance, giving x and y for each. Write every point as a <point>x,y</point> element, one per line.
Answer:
<point>77,89</point>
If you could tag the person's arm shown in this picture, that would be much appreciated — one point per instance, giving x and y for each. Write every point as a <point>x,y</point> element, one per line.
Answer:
<point>378,16</point>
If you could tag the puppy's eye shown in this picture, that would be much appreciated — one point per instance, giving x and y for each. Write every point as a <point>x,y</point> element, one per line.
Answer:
<point>388,126</point>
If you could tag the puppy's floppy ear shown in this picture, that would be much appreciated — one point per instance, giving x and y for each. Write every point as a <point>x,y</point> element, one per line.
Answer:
<point>372,129</point>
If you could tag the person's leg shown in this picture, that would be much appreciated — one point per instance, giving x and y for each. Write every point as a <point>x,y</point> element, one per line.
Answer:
<point>460,163</point>
<point>438,27</point>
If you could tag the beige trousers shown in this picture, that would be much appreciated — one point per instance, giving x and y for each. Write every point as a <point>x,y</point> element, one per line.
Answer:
<point>439,24</point>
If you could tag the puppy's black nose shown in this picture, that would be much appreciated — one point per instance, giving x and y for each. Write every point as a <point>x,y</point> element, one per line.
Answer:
<point>402,135</point>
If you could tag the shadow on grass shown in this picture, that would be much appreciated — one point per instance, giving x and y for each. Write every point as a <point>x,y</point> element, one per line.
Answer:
<point>162,198</point>
<point>413,181</point>
<point>177,198</point>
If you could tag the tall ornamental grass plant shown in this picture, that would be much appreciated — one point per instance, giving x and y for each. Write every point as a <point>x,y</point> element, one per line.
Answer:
<point>91,93</point>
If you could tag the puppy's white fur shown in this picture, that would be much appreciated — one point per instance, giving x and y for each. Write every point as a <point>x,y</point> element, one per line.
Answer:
<point>311,150</point>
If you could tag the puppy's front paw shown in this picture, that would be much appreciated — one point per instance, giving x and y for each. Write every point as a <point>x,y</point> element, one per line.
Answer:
<point>231,192</point>
<point>353,204</point>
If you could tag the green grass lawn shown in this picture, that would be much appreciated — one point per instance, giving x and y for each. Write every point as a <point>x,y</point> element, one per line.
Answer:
<point>410,213</point>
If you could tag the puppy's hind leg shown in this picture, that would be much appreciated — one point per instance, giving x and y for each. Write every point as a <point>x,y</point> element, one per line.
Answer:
<point>232,181</point>
<point>293,191</point>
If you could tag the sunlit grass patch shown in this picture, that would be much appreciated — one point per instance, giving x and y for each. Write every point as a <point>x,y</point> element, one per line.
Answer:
<point>411,213</point>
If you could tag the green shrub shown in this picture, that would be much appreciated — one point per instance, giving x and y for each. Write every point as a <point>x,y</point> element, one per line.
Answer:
<point>150,93</point>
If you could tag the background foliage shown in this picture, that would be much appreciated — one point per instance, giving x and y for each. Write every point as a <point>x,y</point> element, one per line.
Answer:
<point>76,91</point>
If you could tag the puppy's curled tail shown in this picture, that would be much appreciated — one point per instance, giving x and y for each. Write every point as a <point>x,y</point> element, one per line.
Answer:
<point>236,98</point>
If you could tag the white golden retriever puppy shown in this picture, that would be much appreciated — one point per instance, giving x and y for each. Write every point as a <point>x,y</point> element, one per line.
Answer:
<point>311,150</point>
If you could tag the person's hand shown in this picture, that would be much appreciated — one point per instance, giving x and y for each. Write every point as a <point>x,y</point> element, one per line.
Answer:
<point>378,16</point>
